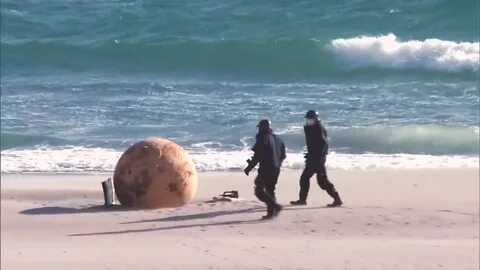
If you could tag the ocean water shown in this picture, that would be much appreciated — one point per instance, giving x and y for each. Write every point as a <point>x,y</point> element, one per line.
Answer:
<point>395,82</point>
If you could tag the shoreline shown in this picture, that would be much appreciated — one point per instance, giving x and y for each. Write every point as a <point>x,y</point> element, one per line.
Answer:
<point>93,160</point>
<point>240,170</point>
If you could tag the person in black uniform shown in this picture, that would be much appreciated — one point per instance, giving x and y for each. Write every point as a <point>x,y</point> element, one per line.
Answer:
<point>317,150</point>
<point>269,151</point>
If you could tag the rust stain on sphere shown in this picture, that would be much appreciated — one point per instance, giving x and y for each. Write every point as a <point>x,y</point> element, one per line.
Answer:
<point>155,173</point>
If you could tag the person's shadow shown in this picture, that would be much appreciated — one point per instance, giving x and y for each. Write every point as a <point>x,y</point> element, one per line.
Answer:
<point>204,215</point>
<point>175,227</point>
<point>118,208</point>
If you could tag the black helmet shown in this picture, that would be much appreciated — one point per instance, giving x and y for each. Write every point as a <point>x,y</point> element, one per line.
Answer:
<point>311,114</point>
<point>264,124</point>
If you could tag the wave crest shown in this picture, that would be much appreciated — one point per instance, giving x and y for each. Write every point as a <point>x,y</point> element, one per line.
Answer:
<point>388,51</point>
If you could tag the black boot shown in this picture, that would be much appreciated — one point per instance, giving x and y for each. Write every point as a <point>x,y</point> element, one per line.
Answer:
<point>270,212</point>
<point>268,216</point>
<point>336,199</point>
<point>278,208</point>
<point>299,202</point>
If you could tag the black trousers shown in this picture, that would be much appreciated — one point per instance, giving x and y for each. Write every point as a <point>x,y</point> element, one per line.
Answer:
<point>311,168</point>
<point>265,183</point>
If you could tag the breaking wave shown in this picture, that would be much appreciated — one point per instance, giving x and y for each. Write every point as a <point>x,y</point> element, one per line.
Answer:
<point>388,51</point>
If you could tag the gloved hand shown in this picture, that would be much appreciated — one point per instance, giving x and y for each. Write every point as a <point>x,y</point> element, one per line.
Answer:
<point>249,167</point>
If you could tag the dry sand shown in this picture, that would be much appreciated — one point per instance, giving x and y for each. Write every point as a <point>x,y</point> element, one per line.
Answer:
<point>419,219</point>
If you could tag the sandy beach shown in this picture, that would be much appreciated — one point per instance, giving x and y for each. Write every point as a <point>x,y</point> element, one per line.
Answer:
<point>409,219</point>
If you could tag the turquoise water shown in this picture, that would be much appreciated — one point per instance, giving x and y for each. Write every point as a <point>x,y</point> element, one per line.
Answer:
<point>395,82</point>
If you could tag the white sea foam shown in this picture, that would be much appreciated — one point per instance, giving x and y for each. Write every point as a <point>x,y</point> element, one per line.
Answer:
<point>389,52</point>
<point>81,159</point>
<point>75,159</point>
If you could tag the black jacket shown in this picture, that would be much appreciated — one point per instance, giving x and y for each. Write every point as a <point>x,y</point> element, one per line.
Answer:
<point>317,142</point>
<point>269,151</point>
